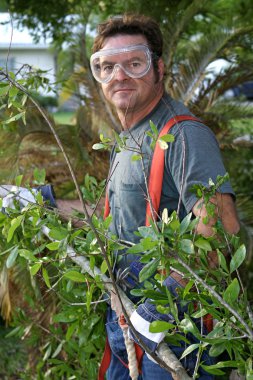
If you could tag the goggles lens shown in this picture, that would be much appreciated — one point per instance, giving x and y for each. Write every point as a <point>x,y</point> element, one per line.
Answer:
<point>134,60</point>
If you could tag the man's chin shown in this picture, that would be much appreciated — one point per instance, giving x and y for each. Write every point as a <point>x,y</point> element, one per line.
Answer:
<point>123,101</point>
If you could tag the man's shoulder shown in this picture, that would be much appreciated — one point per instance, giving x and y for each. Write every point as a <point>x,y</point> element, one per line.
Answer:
<point>167,109</point>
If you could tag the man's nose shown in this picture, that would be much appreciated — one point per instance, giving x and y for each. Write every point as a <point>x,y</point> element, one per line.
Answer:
<point>120,73</point>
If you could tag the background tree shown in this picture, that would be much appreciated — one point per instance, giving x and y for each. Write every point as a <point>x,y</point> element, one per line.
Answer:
<point>196,35</point>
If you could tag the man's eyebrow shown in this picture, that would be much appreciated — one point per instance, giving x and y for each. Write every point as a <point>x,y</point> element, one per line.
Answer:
<point>103,63</point>
<point>126,60</point>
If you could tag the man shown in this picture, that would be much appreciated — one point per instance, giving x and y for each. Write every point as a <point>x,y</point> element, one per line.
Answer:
<point>127,62</point>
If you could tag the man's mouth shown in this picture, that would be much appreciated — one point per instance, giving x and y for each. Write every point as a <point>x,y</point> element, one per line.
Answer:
<point>123,89</point>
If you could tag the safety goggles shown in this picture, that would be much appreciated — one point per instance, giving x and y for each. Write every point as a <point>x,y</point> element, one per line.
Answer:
<point>134,60</point>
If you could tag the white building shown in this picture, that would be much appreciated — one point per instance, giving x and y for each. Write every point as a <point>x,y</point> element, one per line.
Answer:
<point>20,49</point>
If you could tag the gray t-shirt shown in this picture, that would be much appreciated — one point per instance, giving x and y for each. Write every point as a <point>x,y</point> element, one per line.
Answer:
<point>193,158</point>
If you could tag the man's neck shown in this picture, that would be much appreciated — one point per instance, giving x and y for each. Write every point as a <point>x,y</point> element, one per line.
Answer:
<point>129,118</point>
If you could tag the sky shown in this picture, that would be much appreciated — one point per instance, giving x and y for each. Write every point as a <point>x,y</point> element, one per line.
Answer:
<point>19,36</point>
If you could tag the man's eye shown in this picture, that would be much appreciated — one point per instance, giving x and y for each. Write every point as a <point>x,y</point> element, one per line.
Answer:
<point>135,64</point>
<point>97,67</point>
<point>107,68</point>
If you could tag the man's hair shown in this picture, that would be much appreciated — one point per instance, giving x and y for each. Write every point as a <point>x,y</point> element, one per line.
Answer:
<point>132,24</point>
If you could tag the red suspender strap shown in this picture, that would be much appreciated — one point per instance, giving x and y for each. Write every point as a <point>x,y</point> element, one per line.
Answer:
<point>155,190</point>
<point>157,168</point>
<point>156,171</point>
<point>107,206</point>
<point>105,361</point>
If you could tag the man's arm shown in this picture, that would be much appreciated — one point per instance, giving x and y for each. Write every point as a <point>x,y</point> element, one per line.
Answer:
<point>225,211</point>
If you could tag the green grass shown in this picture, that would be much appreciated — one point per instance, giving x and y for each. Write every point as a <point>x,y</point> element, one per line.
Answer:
<point>62,117</point>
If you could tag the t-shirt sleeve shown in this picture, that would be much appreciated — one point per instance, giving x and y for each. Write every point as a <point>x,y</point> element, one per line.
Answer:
<point>194,158</point>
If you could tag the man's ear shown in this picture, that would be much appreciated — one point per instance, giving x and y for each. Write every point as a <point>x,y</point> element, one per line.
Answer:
<point>161,69</point>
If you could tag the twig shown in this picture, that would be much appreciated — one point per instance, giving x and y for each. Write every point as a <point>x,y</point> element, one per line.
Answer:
<point>214,293</point>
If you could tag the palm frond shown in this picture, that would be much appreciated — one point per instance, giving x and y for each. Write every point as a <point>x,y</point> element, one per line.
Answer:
<point>225,80</point>
<point>192,72</point>
<point>177,21</point>
<point>219,116</point>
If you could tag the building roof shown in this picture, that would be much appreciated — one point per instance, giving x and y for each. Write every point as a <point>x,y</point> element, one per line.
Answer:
<point>23,46</point>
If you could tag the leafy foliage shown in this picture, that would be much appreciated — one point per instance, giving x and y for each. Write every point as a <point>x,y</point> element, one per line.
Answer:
<point>71,341</point>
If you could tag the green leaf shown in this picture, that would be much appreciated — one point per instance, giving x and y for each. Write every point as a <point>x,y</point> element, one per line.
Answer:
<point>222,261</point>
<point>200,313</point>
<point>103,267</point>
<point>28,255</point>
<point>153,128</point>
<point>75,276</point>
<point>15,223</point>
<point>225,364</point>
<point>203,244</point>
<point>18,180</point>
<point>167,138</point>
<point>175,339</point>
<point>65,317</point>
<point>39,176</point>
<point>4,90</point>
<point>148,270</point>
<point>147,231</point>
<point>107,221</point>
<point>71,330</point>
<point>189,349</point>
<point>58,349</point>
<point>137,248</point>
<point>163,309</point>
<point>35,268</point>
<point>137,292</point>
<point>189,326</point>
<point>47,353</point>
<point>185,224</point>
<point>186,245</point>
<point>217,349</point>
<point>160,326</point>
<point>148,244</point>
<point>58,233</point>
<point>237,258</point>
<point>174,224</point>
<point>46,277</point>
<point>13,91</point>
<point>53,246</point>
<point>136,157</point>
<point>14,118</point>
<point>15,332</point>
<point>12,257</point>
<point>98,146</point>
<point>188,288</point>
<point>213,371</point>
<point>232,292</point>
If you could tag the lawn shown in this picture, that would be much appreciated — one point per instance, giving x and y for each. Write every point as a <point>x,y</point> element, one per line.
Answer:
<point>64,117</point>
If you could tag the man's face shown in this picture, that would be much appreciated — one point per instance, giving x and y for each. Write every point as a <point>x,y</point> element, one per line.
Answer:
<point>130,95</point>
